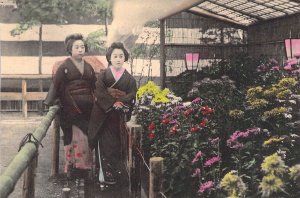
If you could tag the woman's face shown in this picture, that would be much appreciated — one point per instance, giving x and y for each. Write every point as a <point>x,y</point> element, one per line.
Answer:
<point>78,49</point>
<point>117,58</point>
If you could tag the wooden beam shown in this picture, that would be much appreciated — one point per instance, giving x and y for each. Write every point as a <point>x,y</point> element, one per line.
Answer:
<point>272,7</point>
<point>185,6</point>
<point>236,10</point>
<point>201,12</point>
<point>30,96</point>
<point>26,76</point>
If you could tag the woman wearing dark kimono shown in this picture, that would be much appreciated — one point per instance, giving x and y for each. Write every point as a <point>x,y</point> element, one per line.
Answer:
<point>73,85</point>
<point>115,89</point>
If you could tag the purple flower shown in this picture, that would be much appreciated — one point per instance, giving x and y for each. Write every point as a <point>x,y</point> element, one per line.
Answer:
<point>177,108</point>
<point>196,100</point>
<point>212,161</point>
<point>173,121</point>
<point>196,173</point>
<point>206,186</point>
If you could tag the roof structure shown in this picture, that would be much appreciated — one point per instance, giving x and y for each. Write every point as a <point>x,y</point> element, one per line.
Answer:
<point>246,12</point>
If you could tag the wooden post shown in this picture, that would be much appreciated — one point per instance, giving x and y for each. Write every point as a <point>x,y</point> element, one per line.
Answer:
<point>162,54</point>
<point>29,175</point>
<point>134,160</point>
<point>24,99</point>
<point>156,168</point>
<point>55,148</point>
<point>66,192</point>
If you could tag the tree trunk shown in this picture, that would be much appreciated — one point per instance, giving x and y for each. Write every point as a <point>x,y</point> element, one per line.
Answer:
<point>40,103</point>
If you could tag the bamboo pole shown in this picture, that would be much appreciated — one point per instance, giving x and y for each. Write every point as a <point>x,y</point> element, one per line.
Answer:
<point>55,147</point>
<point>13,172</point>
<point>156,168</point>
<point>29,177</point>
<point>24,99</point>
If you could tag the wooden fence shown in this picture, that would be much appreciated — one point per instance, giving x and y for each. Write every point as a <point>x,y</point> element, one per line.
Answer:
<point>24,95</point>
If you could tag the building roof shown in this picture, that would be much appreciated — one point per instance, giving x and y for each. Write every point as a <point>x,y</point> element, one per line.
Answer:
<point>246,12</point>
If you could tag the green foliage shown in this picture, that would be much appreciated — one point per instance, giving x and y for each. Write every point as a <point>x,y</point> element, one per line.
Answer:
<point>95,41</point>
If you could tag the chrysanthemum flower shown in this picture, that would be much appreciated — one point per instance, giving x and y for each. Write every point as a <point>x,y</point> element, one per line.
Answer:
<point>273,164</point>
<point>206,186</point>
<point>295,172</point>
<point>271,184</point>
<point>233,184</point>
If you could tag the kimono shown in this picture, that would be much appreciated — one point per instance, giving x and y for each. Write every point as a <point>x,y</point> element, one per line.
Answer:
<point>74,90</point>
<point>105,122</point>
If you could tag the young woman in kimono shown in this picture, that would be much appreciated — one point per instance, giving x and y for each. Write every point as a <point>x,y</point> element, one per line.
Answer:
<point>73,85</point>
<point>115,89</point>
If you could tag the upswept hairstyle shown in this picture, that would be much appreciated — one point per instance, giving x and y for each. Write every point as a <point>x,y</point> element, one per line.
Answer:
<point>116,45</point>
<point>70,39</point>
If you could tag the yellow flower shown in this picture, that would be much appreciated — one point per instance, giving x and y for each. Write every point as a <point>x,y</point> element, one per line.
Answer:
<point>287,82</point>
<point>165,92</point>
<point>253,92</point>
<point>276,112</point>
<point>271,92</point>
<point>273,164</point>
<point>273,140</point>
<point>160,98</point>
<point>256,103</point>
<point>236,113</point>
<point>233,184</point>
<point>270,184</point>
<point>284,94</point>
<point>295,172</point>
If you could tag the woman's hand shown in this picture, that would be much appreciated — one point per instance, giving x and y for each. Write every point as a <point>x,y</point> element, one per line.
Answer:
<point>118,105</point>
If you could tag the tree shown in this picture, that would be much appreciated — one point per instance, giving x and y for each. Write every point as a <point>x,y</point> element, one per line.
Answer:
<point>39,12</point>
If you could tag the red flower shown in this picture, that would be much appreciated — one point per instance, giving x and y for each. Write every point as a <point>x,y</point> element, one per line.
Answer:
<point>195,129</point>
<point>69,155</point>
<point>206,110</point>
<point>173,130</point>
<point>203,123</point>
<point>151,126</point>
<point>78,155</point>
<point>151,136</point>
<point>188,112</point>
<point>166,121</point>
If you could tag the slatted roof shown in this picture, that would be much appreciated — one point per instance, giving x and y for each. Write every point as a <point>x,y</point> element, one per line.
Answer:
<point>246,12</point>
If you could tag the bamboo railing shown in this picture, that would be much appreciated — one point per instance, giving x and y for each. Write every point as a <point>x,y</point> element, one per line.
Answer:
<point>26,158</point>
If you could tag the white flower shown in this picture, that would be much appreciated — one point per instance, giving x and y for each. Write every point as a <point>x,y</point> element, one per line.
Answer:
<point>186,104</point>
<point>144,108</point>
<point>292,101</point>
<point>294,135</point>
<point>289,116</point>
<point>281,100</point>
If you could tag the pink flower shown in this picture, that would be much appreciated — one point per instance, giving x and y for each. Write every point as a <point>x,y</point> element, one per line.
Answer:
<point>196,100</point>
<point>197,157</point>
<point>196,173</point>
<point>275,68</point>
<point>212,161</point>
<point>288,67</point>
<point>215,141</point>
<point>206,186</point>
<point>292,61</point>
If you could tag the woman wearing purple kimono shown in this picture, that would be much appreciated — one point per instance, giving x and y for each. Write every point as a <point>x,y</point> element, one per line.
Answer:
<point>115,89</point>
<point>73,85</point>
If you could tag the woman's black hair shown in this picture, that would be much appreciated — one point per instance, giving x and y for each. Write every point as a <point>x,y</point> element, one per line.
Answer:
<point>71,39</point>
<point>116,45</point>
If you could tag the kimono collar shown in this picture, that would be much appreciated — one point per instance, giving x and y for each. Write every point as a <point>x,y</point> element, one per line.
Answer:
<point>117,73</point>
